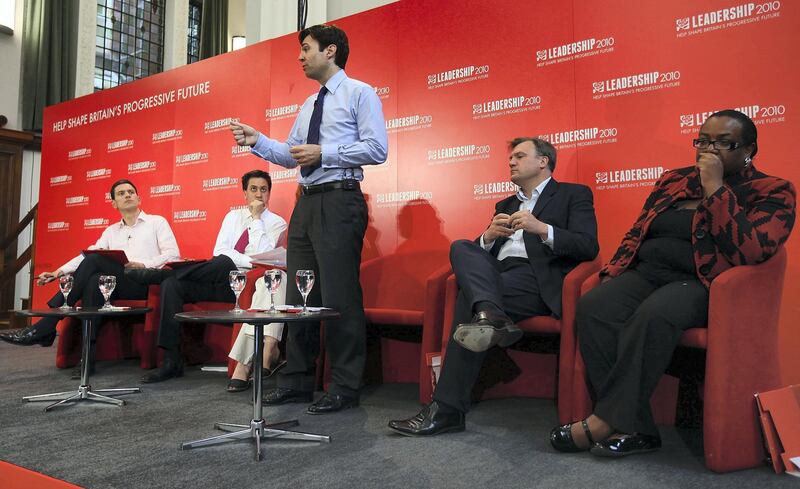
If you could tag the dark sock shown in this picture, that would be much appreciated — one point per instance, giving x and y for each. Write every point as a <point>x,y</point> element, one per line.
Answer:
<point>486,306</point>
<point>45,326</point>
<point>445,408</point>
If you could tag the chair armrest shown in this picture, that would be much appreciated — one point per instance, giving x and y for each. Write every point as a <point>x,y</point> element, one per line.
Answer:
<point>433,314</point>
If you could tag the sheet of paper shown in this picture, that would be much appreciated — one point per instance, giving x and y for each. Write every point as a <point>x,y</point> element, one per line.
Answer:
<point>275,257</point>
<point>796,471</point>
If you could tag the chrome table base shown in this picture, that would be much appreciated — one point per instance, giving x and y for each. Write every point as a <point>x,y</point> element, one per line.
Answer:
<point>258,429</point>
<point>84,392</point>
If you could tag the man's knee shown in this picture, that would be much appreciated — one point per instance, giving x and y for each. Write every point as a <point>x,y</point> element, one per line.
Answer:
<point>458,247</point>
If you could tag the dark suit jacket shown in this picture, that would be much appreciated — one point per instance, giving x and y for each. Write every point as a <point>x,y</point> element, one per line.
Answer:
<point>569,208</point>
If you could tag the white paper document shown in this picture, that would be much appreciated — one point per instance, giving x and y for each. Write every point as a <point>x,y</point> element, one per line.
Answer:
<point>275,257</point>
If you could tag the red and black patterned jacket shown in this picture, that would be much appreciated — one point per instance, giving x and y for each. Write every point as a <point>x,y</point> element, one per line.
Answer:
<point>742,223</point>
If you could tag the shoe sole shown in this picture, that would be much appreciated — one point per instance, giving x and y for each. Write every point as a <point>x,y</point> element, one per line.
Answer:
<point>481,338</point>
<point>452,429</point>
<point>602,452</point>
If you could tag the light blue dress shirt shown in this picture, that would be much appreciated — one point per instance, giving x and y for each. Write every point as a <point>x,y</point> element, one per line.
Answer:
<point>352,133</point>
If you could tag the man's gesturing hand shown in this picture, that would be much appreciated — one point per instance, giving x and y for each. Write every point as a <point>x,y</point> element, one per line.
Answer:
<point>499,228</point>
<point>306,154</point>
<point>244,134</point>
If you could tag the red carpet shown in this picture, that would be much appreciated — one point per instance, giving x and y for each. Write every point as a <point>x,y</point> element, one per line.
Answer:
<point>15,477</point>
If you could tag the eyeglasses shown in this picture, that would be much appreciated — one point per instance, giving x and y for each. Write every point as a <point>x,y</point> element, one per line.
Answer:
<point>705,143</point>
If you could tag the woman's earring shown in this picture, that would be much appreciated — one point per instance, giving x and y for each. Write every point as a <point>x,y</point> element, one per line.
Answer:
<point>747,161</point>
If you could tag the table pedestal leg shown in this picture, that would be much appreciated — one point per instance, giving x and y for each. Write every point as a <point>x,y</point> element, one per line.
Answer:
<point>84,392</point>
<point>258,428</point>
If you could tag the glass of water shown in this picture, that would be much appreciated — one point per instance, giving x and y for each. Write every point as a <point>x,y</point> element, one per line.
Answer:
<point>272,279</point>
<point>107,285</point>
<point>238,280</point>
<point>65,285</point>
<point>305,282</point>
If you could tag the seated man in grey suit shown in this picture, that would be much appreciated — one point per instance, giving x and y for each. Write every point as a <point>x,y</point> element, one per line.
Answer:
<point>513,271</point>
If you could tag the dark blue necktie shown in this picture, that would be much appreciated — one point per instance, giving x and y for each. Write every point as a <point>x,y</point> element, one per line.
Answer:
<point>313,128</point>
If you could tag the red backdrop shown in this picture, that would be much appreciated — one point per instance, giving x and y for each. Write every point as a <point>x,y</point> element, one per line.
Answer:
<point>620,87</point>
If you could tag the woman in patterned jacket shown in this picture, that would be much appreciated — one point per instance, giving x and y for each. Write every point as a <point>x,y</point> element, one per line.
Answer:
<point>697,222</point>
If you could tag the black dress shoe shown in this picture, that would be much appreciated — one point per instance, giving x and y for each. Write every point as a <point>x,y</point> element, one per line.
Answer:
<point>561,438</point>
<point>626,445</point>
<point>282,395</point>
<point>169,370</point>
<point>487,330</point>
<point>430,421</point>
<point>331,403</point>
<point>28,336</point>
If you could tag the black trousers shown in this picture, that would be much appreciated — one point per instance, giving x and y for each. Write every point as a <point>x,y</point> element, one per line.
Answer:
<point>205,282</point>
<point>326,234</point>
<point>86,288</point>
<point>628,329</point>
<point>509,284</point>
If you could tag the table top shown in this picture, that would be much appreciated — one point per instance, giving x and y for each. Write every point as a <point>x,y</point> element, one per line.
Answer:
<point>253,317</point>
<point>82,312</point>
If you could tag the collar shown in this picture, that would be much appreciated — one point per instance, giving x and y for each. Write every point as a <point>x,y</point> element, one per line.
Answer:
<point>141,217</point>
<point>539,188</point>
<point>742,175</point>
<point>333,82</point>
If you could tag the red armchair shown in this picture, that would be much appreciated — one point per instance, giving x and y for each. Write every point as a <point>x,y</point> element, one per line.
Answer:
<point>111,345</point>
<point>542,325</point>
<point>400,289</point>
<point>741,342</point>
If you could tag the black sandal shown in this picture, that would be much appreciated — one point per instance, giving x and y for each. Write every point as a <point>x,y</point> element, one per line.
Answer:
<point>561,438</point>
<point>269,372</point>
<point>238,385</point>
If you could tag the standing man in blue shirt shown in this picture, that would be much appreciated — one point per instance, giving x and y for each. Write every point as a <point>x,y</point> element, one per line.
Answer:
<point>337,131</point>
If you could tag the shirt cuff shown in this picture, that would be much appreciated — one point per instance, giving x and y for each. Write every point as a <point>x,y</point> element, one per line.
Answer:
<point>330,155</point>
<point>549,240</point>
<point>262,145</point>
<point>486,246</point>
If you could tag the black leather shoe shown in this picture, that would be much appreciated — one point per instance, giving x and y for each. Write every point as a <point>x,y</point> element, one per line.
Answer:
<point>331,403</point>
<point>626,445</point>
<point>561,438</point>
<point>169,370</point>
<point>28,336</point>
<point>487,330</point>
<point>430,421</point>
<point>282,395</point>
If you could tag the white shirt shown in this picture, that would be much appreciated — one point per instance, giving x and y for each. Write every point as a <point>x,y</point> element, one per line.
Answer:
<point>515,246</point>
<point>149,241</point>
<point>263,234</point>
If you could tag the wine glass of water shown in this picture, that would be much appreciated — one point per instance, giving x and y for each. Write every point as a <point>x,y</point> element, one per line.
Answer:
<point>65,285</point>
<point>238,280</point>
<point>107,285</point>
<point>305,282</point>
<point>272,278</point>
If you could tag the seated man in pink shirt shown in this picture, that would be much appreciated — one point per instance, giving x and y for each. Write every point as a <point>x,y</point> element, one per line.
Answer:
<point>146,239</point>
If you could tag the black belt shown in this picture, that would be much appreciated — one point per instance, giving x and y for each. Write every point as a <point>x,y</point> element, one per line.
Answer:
<point>325,187</point>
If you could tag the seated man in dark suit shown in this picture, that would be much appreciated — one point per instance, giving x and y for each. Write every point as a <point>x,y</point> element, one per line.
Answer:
<point>513,271</point>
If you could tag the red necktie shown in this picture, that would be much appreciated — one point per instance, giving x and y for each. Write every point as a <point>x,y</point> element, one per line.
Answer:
<point>244,239</point>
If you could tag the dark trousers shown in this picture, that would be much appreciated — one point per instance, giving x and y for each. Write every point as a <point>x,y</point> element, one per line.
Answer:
<point>628,329</point>
<point>204,282</point>
<point>86,288</point>
<point>510,285</point>
<point>326,234</point>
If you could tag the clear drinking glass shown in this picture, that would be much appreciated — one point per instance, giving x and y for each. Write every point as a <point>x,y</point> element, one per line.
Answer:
<point>107,285</point>
<point>305,282</point>
<point>65,285</point>
<point>238,280</point>
<point>272,279</point>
